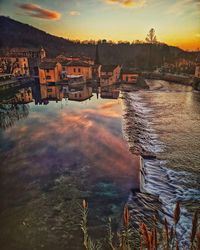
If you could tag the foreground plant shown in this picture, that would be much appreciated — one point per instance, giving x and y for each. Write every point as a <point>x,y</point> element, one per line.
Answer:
<point>87,241</point>
<point>149,239</point>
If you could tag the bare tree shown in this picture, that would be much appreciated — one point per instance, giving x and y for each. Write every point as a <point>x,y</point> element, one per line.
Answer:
<point>151,36</point>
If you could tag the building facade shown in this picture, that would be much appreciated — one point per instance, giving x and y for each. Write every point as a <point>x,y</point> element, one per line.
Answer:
<point>110,74</point>
<point>129,76</point>
<point>35,57</point>
<point>78,68</point>
<point>17,66</point>
<point>50,72</point>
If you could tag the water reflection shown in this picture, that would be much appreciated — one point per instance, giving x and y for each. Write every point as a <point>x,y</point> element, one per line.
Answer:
<point>14,107</point>
<point>13,104</point>
<point>55,158</point>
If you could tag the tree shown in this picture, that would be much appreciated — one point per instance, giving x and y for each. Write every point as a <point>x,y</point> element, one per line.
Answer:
<point>151,40</point>
<point>151,37</point>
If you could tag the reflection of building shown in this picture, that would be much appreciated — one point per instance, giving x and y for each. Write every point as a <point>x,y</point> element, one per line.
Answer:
<point>18,66</point>
<point>79,68</point>
<point>11,113</point>
<point>80,93</point>
<point>24,95</point>
<point>197,69</point>
<point>53,93</point>
<point>20,96</point>
<point>74,80</point>
<point>129,76</point>
<point>50,72</point>
<point>109,92</point>
<point>109,74</point>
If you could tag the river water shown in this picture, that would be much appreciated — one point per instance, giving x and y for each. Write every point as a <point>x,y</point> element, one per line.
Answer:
<point>163,124</point>
<point>57,149</point>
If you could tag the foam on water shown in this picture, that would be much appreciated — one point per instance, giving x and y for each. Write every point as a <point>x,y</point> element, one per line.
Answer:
<point>159,179</point>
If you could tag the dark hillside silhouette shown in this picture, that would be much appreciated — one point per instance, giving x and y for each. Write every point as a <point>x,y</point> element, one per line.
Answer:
<point>17,34</point>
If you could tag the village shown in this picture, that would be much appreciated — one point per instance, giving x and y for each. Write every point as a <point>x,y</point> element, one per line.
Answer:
<point>19,66</point>
<point>100,125</point>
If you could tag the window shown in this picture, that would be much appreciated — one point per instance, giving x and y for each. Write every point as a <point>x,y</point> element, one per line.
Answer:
<point>79,95</point>
<point>74,70</point>
<point>47,70</point>
<point>79,70</point>
<point>127,78</point>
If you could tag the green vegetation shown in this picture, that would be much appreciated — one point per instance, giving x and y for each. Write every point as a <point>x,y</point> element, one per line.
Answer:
<point>157,237</point>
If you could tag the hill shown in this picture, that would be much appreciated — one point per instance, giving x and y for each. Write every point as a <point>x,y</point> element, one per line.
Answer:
<point>16,34</point>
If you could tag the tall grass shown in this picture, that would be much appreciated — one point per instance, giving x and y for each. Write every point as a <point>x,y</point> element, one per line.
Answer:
<point>152,238</point>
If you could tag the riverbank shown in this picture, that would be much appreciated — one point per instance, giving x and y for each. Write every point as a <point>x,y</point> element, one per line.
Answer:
<point>196,84</point>
<point>180,79</point>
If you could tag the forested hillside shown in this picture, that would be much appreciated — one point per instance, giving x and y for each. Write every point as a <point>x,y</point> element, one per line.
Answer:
<point>139,55</point>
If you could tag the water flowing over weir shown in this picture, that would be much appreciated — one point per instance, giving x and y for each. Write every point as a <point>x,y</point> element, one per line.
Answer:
<point>165,175</point>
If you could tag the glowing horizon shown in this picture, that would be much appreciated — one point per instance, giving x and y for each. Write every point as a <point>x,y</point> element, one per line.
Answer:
<point>176,22</point>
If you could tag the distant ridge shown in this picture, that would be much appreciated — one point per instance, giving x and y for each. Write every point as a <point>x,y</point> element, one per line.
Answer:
<point>16,34</point>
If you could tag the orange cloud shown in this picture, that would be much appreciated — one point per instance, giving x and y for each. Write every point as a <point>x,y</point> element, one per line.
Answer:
<point>127,3</point>
<point>35,10</point>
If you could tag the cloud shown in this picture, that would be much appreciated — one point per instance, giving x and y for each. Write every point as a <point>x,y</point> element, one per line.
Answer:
<point>127,3</point>
<point>35,10</point>
<point>181,7</point>
<point>74,13</point>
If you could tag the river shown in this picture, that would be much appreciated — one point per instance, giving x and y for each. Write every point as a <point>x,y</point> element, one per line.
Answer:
<point>163,124</point>
<point>57,149</point>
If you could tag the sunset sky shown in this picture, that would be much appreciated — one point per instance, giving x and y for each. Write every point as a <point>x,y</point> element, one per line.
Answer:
<point>177,22</point>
